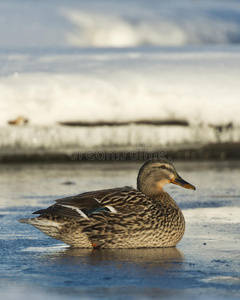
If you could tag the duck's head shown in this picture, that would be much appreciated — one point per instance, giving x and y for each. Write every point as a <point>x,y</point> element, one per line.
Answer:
<point>155,173</point>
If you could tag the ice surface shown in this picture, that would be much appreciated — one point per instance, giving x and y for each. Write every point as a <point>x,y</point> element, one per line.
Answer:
<point>205,264</point>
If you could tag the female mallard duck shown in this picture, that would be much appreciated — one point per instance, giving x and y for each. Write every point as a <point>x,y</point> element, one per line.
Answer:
<point>119,217</point>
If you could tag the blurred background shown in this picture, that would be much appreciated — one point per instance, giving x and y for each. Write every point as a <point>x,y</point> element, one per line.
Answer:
<point>79,76</point>
<point>107,75</point>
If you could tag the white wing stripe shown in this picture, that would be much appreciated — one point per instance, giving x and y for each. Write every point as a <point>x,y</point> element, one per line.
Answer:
<point>112,209</point>
<point>81,213</point>
<point>97,200</point>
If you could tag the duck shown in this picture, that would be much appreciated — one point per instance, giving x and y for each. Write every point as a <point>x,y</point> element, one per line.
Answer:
<point>122,217</point>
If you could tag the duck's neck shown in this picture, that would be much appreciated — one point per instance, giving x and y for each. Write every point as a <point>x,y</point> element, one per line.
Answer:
<point>150,186</point>
<point>151,190</point>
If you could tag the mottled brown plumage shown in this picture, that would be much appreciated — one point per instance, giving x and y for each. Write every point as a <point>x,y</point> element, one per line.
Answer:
<point>119,217</point>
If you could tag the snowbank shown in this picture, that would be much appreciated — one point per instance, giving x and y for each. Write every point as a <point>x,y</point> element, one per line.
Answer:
<point>141,84</point>
<point>127,62</point>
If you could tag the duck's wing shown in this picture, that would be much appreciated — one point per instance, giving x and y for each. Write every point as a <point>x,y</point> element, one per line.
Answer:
<point>83,205</point>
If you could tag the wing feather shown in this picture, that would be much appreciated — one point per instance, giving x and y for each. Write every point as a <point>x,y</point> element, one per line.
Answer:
<point>82,205</point>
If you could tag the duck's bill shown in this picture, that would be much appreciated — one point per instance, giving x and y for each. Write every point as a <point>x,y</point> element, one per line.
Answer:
<point>183,183</point>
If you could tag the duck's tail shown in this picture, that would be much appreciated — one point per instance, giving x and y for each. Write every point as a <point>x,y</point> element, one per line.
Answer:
<point>48,227</point>
<point>27,221</point>
<point>71,236</point>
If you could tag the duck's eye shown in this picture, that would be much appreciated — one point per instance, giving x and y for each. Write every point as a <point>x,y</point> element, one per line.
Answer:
<point>163,167</point>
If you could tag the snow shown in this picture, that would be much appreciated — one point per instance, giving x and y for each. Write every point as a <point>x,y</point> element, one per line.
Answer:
<point>121,62</point>
<point>140,84</point>
<point>61,23</point>
<point>130,138</point>
<point>161,25</point>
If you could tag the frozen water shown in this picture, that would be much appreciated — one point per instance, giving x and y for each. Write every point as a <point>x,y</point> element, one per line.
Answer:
<point>205,265</point>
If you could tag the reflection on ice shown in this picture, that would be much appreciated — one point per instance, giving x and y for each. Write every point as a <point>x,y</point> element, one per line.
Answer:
<point>140,258</point>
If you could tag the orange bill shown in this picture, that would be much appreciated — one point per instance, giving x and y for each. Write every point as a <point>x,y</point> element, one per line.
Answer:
<point>183,183</point>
